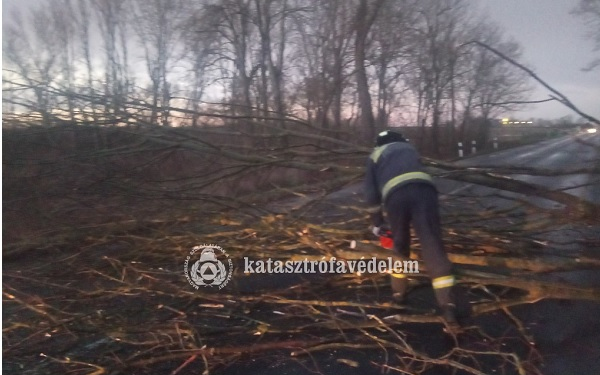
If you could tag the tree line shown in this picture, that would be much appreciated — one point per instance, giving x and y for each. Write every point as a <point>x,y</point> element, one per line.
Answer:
<point>360,64</point>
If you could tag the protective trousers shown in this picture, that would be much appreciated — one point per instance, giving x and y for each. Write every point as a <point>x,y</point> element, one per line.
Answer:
<point>417,203</point>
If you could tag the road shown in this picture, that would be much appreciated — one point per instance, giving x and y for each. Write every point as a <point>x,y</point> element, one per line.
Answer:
<point>572,152</point>
<point>566,332</point>
<point>566,153</point>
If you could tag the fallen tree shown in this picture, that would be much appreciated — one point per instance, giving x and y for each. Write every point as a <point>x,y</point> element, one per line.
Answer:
<point>101,218</point>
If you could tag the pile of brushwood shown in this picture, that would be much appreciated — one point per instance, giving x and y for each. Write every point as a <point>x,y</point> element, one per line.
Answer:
<point>98,221</point>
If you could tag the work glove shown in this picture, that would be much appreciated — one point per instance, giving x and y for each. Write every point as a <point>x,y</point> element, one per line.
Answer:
<point>377,231</point>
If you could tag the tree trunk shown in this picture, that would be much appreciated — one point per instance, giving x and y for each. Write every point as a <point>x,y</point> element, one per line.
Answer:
<point>364,21</point>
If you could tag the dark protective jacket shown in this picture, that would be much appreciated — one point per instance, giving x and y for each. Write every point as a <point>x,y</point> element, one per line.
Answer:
<point>389,167</point>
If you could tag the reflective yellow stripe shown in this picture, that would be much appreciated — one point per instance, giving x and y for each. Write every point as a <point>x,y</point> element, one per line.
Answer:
<point>403,178</point>
<point>443,282</point>
<point>377,152</point>
<point>399,275</point>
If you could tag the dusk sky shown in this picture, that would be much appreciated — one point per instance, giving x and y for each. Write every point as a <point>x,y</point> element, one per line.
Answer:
<point>554,44</point>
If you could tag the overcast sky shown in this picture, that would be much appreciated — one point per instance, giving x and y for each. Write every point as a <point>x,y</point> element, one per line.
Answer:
<point>554,44</point>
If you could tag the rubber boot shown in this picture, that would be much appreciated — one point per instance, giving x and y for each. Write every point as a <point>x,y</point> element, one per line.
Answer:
<point>456,297</point>
<point>447,303</point>
<point>399,287</point>
<point>463,307</point>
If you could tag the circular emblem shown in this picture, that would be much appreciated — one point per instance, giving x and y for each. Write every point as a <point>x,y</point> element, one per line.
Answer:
<point>213,267</point>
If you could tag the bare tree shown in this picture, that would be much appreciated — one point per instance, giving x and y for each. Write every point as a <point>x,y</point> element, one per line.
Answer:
<point>230,21</point>
<point>589,11</point>
<point>389,51</point>
<point>270,14</point>
<point>439,29</point>
<point>488,84</point>
<point>112,22</point>
<point>63,19</point>
<point>82,17</point>
<point>366,13</point>
<point>33,58</point>
<point>323,57</point>
<point>199,53</point>
<point>158,29</point>
<point>334,58</point>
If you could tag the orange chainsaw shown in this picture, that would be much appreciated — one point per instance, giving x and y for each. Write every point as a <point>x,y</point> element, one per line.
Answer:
<point>386,240</point>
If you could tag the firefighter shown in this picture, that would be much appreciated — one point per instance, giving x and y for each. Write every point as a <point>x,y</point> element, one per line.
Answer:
<point>395,182</point>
